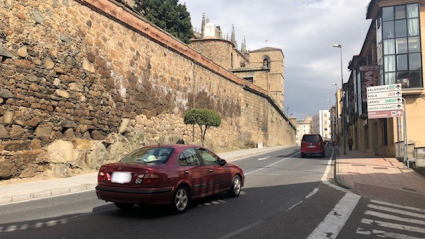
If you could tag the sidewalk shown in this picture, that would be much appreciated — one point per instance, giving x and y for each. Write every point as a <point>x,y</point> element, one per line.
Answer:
<point>60,186</point>
<point>380,178</point>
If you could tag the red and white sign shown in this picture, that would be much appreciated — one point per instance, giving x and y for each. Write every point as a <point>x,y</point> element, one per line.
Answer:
<point>384,114</point>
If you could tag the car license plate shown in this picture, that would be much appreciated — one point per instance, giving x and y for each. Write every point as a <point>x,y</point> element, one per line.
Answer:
<point>311,146</point>
<point>121,177</point>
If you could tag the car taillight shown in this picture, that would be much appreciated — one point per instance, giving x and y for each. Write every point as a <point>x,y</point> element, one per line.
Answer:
<point>102,177</point>
<point>148,178</point>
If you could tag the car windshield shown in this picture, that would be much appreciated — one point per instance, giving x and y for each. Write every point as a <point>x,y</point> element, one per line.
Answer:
<point>149,156</point>
<point>311,138</point>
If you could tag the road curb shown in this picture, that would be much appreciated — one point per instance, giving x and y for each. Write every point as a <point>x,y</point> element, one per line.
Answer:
<point>46,194</point>
<point>336,172</point>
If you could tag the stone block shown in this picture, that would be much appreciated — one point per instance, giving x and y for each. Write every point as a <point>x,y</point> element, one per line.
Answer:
<point>7,168</point>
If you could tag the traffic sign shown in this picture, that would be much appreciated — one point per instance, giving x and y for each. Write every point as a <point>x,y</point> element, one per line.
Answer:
<point>384,101</point>
<point>383,88</point>
<point>385,114</point>
<point>380,101</point>
<point>387,94</point>
<point>384,107</point>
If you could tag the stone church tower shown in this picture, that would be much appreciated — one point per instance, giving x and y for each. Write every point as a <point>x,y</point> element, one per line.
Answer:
<point>263,67</point>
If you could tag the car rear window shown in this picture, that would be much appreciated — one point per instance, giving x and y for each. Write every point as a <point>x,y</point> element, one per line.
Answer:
<point>149,156</point>
<point>311,138</point>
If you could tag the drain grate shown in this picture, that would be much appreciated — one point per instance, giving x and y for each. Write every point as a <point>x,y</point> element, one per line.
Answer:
<point>358,164</point>
<point>380,168</point>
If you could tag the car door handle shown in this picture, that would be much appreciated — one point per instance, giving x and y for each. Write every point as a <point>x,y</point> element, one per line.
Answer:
<point>210,170</point>
<point>186,172</point>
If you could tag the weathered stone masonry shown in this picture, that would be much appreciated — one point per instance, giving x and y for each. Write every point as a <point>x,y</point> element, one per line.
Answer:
<point>83,82</point>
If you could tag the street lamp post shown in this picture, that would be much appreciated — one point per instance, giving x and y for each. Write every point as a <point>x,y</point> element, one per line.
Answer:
<point>336,113</point>
<point>343,103</point>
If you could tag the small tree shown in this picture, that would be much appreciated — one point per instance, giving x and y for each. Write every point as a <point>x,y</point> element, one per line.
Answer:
<point>204,118</point>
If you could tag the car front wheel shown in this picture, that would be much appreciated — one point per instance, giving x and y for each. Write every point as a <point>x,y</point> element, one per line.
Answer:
<point>180,200</point>
<point>235,187</point>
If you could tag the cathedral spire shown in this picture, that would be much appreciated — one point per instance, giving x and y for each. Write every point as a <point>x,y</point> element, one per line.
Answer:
<point>233,37</point>
<point>243,47</point>
<point>203,25</point>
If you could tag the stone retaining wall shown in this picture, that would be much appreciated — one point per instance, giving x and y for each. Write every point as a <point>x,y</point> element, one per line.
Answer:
<point>84,82</point>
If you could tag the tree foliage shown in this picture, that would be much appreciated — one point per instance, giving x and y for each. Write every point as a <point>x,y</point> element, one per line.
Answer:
<point>204,118</point>
<point>168,15</point>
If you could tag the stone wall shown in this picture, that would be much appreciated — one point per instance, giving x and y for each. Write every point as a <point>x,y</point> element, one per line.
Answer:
<point>85,82</point>
<point>218,50</point>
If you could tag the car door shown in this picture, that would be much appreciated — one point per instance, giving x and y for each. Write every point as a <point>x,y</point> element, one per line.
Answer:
<point>193,171</point>
<point>219,176</point>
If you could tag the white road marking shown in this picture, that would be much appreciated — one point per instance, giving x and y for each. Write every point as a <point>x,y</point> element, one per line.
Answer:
<point>391,217</point>
<point>398,206</point>
<point>388,209</point>
<point>243,229</point>
<point>271,164</point>
<point>325,175</point>
<point>296,204</point>
<point>312,193</point>
<point>385,234</point>
<point>393,225</point>
<point>264,158</point>
<point>336,219</point>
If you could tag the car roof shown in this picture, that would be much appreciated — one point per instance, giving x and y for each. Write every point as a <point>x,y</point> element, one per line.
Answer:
<point>175,146</point>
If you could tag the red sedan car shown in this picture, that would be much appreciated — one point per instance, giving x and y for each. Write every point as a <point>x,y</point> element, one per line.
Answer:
<point>312,144</point>
<point>167,174</point>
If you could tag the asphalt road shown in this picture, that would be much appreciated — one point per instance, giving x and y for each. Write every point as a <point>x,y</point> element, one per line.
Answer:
<point>283,197</point>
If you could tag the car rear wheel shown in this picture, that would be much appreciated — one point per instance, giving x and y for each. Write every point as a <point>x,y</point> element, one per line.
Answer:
<point>180,200</point>
<point>302,155</point>
<point>124,206</point>
<point>322,155</point>
<point>235,187</point>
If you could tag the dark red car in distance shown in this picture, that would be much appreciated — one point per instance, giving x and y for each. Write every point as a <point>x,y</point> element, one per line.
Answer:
<point>167,174</point>
<point>312,144</point>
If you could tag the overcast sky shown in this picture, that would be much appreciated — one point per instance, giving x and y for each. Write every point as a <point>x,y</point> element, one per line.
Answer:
<point>305,30</point>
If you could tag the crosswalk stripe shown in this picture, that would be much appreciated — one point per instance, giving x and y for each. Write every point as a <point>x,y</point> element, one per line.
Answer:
<point>391,217</point>
<point>336,219</point>
<point>393,225</point>
<point>398,206</point>
<point>385,234</point>
<point>388,209</point>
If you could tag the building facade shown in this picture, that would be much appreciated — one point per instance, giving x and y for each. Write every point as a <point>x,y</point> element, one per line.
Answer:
<point>303,127</point>
<point>391,54</point>
<point>321,124</point>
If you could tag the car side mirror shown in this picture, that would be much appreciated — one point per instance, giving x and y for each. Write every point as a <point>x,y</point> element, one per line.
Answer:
<point>222,162</point>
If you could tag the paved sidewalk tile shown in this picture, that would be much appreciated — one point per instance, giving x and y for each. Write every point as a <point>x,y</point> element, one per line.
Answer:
<point>384,178</point>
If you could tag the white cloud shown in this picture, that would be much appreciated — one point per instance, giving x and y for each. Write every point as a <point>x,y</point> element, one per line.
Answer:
<point>305,31</point>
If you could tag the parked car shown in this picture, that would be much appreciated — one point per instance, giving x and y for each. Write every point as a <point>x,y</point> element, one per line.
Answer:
<point>312,144</point>
<point>167,174</point>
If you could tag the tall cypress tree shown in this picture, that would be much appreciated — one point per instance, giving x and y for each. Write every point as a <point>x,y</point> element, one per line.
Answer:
<point>168,15</point>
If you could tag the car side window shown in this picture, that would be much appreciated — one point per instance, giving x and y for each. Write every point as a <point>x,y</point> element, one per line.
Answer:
<point>189,157</point>
<point>208,157</point>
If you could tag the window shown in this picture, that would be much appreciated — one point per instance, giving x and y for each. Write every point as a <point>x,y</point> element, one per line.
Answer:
<point>266,62</point>
<point>208,157</point>
<point>249,79</point>
<point>189,157</point>
<point>399,37</point>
